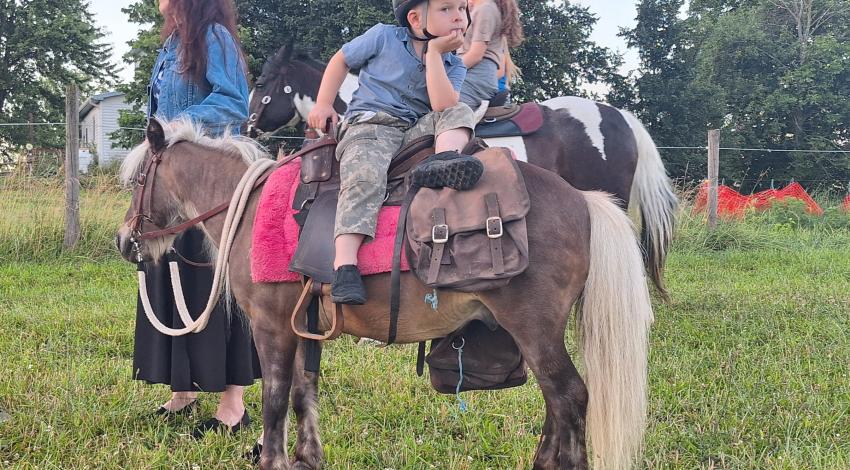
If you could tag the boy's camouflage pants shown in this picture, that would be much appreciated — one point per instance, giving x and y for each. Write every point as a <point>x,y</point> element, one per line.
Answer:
<point>367,143</point>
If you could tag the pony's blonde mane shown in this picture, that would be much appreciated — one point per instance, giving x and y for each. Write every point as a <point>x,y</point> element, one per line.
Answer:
<point>186,130</point>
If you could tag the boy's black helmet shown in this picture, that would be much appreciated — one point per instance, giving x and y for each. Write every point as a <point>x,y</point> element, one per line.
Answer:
<point>401,7</point>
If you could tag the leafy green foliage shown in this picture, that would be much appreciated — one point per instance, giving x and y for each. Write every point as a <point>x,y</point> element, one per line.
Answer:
<point>557,56</point>
<point>754,71</point>
<point>44,45</point>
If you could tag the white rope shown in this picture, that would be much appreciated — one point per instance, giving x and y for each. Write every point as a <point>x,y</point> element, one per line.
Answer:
<point>231,224</point>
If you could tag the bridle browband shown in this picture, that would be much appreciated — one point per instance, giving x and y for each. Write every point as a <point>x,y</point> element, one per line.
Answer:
<point>143,200</point>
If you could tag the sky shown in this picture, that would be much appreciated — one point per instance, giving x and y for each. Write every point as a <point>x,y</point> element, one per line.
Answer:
<point>612,15</point>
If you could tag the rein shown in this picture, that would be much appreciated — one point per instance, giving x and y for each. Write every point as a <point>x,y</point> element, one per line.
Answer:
<point>150,169</point>
<point>256,174</point>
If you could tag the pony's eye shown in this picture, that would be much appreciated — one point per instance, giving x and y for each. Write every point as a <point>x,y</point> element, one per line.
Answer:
<point>287,89</point>
<point>261,85</point>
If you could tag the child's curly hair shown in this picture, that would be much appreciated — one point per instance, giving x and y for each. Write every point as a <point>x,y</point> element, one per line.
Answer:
<point>511,25</point>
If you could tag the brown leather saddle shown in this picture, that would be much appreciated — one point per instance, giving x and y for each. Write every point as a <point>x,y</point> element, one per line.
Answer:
<point>510,120</point>
<point>317,195</point>
<point>465,240</point>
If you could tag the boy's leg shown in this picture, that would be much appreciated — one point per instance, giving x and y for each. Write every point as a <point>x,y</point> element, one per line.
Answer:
<point>454,139</point>
<point>346,246</point>
<point>364,152</point>
<point>452,128</point>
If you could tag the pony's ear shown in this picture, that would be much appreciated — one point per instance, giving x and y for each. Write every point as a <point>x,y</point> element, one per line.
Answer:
<point>155,135</point>
<point>285,53</point>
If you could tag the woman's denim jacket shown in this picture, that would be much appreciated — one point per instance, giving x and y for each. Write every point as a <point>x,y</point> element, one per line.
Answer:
<point>217,101</point>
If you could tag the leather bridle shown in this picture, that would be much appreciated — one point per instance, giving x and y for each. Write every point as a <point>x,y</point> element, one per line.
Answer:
<point>254,118</point>
<point>142,203</point>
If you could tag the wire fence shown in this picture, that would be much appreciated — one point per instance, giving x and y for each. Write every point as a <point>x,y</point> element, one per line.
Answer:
<point>737,182</point>
<point>660,147</point>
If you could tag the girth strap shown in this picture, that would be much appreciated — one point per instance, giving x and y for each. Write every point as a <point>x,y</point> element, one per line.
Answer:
<point>395,276</point>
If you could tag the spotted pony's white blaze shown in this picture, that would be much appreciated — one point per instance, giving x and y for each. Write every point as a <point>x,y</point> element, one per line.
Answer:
<point>585,111</point>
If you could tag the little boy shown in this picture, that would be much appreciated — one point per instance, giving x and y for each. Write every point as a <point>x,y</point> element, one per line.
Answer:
<point>409,87</point>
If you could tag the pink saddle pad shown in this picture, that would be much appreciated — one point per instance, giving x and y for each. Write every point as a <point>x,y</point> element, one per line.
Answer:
<point>275,235</point>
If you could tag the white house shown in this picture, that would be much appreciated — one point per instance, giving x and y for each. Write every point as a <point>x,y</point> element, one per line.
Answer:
<point>99,118</point>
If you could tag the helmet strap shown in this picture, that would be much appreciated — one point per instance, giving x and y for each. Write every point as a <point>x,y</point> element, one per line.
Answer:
<point>428,36</point>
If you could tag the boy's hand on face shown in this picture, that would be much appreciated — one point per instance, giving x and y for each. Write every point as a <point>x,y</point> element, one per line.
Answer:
<point>319,116</point>
<point>449,43</point>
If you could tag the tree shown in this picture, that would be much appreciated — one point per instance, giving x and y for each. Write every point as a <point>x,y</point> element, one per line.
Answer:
<point>143,51</point>
<point>44,45</point>
<point>769,73</point>
<point>557,56</point>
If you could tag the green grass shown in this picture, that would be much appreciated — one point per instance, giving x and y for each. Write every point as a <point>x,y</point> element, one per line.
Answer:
<point>749,368</point>
<point>32,218</point>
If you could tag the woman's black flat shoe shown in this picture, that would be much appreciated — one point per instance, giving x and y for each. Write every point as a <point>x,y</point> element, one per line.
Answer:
<point>186,410</point>
<point>214,424</point>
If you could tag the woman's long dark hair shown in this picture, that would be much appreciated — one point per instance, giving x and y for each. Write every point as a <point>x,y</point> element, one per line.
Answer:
<point>511,24</point>
<point>190,20</point>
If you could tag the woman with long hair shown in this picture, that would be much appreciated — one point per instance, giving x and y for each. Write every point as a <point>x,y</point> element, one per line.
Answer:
<point>495,28</point>
<point>200,75</point>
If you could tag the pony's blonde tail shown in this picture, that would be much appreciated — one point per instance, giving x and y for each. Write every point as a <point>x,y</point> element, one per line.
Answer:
<point>653,197</point>
<point>613,329</point>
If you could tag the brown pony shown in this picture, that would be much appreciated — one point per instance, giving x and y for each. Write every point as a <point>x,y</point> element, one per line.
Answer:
<point>582,248</point>
<point>591,145</point>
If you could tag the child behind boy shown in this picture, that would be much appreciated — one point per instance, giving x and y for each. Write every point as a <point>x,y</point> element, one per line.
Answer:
<point>409,87</point>
<point>496,27</point>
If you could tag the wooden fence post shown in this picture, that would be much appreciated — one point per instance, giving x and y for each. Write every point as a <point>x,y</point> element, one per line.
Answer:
<point>72,168</point>
<point>713,170</point>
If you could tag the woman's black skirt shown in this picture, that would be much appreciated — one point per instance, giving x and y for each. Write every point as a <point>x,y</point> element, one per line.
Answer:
<point>220,355</point>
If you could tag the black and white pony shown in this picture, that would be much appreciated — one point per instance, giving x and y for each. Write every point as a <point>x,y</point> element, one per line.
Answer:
<point>600,147</point>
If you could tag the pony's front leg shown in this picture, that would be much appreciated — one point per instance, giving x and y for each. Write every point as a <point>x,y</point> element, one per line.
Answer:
<point>305,402</point>
<point>276,347</point>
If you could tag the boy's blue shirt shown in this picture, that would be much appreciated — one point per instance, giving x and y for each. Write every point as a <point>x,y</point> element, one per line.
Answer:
<point>392,77</point>
<point>217,101</point>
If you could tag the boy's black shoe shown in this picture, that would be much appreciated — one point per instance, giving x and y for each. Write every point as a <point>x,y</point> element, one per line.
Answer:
<point>449,170</point>
<point>347,287</point>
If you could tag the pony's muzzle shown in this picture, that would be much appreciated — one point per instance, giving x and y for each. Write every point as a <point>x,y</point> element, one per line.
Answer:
<point>124,244</point>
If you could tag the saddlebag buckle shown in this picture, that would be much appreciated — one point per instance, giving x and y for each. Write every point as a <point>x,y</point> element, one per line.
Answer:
<point>494,227</point>
<point>440,233</point>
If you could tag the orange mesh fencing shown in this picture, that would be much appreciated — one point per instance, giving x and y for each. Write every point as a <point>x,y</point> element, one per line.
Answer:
<point>731,203</point>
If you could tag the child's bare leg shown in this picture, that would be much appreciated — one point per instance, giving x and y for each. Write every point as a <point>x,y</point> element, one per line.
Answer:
<point>454,139</point>
<point>346,246</point>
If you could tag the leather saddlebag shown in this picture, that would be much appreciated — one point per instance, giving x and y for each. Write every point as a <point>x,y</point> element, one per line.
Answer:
<point>471,240</point>
<point>491,360</point>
